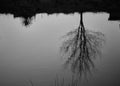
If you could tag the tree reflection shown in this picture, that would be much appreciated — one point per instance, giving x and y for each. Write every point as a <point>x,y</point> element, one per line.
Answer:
<point>27,21</point>
<point>81,47</point>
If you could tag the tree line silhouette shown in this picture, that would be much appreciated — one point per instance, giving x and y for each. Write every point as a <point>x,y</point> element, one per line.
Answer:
<point>29,8</point>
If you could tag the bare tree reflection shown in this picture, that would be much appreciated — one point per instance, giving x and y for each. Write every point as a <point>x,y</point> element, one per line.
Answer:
<point>81,47</point>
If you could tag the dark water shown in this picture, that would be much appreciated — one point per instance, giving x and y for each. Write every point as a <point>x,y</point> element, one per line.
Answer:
<point>32,53</point>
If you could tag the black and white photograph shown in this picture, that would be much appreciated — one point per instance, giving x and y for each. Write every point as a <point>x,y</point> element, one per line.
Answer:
<point>59,42</point>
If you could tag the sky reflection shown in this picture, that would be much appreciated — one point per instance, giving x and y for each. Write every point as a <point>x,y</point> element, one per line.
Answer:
<point>33,53</point>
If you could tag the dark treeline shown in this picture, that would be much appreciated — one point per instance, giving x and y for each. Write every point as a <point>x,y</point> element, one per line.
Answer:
<point>29,8</point>
<point>57,6</point>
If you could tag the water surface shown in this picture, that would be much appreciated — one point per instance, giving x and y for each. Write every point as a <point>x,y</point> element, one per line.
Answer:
<point>32,53</point>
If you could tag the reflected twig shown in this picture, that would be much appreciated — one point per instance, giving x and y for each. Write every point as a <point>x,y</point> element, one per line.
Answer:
<point>62,82</point>
<point>81,47</point>
<point>31,83</point>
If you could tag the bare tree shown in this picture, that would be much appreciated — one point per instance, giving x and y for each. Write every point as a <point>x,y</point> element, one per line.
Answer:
<point>81,47</point>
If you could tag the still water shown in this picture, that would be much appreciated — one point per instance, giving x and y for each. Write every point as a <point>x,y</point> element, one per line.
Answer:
<point>32,53</point>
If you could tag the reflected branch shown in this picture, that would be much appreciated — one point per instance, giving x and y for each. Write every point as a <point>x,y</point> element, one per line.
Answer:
<point>31,83</point>
<point>73,81</point>
<point>81,47</point>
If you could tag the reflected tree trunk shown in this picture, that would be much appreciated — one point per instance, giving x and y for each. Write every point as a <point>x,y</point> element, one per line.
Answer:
<point>81,47</point>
